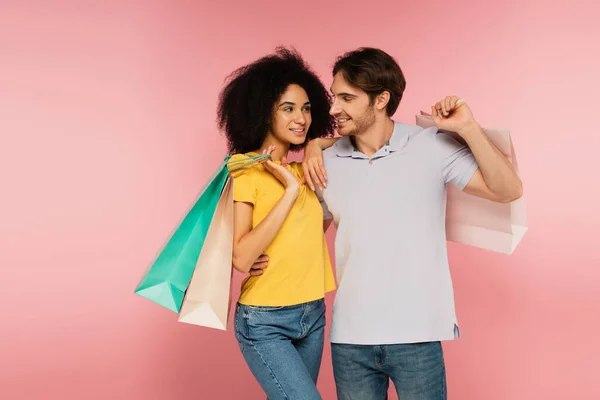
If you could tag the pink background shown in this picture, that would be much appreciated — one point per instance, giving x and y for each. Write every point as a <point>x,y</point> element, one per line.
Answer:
<point>107,134</point>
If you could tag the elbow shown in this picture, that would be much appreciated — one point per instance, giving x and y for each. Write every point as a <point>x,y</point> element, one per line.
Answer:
<point>240,263</point>
<point>515,194</point>
<point>519,193</point>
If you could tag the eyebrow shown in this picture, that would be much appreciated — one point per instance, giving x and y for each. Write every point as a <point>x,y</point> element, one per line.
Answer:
<point>343,94</point>
<point>291,103</point>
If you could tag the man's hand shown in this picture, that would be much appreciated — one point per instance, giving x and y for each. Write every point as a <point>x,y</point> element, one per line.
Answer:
<point>259,265</point>
<point>312,165</point>
<point>454,115</point>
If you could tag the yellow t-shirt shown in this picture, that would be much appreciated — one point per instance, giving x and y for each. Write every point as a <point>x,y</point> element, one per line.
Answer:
<point>299,267</point>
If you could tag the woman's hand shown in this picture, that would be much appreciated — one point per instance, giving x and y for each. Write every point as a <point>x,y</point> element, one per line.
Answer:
<point>283,175</point>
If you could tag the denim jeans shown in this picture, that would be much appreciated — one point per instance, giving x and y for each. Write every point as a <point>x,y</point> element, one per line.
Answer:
<point>363,372</point>
<point>283,347</point>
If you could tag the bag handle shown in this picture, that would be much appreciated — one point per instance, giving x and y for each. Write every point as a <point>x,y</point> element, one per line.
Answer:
<point>236,167</point>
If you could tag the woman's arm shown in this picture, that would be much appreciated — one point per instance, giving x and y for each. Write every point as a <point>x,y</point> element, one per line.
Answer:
<point>248,243</point>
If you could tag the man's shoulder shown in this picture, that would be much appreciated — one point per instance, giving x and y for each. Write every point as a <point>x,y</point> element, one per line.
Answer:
<point>416,130</point>
<point>341,146</point>
<point>432,132</point>
<point>413,137</point>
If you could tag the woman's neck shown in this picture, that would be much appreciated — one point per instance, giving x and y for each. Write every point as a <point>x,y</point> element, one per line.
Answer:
<point>281,149</point>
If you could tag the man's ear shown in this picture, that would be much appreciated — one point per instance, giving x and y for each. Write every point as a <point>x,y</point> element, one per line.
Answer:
<point>382,100</point>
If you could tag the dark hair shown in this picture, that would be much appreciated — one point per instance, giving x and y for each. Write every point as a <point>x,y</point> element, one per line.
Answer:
<point>246,104</point>
<point>373,71</point>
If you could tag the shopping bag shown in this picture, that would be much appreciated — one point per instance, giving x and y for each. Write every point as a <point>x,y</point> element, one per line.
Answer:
<point>479,222</point>
<point>207,301</point>
<point>168,278</point>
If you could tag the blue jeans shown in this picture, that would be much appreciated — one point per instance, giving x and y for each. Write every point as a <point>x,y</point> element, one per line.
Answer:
<point>283,347</point>
<point>363,372</point>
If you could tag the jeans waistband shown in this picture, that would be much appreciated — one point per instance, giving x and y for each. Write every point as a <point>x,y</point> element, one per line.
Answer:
<point>275,308</point>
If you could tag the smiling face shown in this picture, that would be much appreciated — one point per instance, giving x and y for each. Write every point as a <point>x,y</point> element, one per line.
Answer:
<point>291,116</point>
<point>351,107</point>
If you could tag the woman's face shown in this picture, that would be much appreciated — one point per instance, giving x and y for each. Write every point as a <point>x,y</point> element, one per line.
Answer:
<point>291,116</point>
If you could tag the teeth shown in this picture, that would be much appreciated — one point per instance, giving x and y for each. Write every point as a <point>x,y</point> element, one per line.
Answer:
<point>342,119</point>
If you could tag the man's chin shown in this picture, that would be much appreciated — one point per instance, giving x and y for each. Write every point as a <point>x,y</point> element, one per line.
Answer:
<point>345,132</point>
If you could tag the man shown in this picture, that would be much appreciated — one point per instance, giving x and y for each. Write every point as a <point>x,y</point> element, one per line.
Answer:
<point>385,188</point>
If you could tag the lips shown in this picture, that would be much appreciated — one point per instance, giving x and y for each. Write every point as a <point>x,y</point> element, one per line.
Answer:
<point>298,131</point>
<point>342,121</point>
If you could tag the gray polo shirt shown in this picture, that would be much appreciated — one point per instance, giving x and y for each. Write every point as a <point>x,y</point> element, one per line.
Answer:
<point>390,245</point>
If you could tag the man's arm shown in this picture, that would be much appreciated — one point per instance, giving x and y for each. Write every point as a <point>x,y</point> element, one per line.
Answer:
<point>312,163</point>
<point>496,178</point>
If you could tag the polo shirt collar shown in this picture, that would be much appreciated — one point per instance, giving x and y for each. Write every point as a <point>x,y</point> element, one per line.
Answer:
<point>399,139</point>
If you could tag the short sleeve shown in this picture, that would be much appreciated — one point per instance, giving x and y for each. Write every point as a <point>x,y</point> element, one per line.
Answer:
<point>244,183</point>
<point>457,162</point>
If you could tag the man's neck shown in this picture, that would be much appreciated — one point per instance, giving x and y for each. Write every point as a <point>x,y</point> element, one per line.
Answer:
<point>374,138</point>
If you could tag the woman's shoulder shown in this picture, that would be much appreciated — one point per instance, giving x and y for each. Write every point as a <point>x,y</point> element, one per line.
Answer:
<point>241,157</point>
<point>243,161</point>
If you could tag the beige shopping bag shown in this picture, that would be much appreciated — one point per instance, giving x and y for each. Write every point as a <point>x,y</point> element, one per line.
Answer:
<point>208,298</point>
<point>479,222</point>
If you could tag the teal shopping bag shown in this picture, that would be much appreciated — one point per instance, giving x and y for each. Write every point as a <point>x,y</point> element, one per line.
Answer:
<point>168,278</point>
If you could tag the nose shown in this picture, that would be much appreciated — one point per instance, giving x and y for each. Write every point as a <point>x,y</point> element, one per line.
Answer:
<point>335,108</point>
<point>300,118</point>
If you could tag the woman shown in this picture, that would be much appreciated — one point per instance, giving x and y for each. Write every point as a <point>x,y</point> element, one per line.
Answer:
<point>271,107</point>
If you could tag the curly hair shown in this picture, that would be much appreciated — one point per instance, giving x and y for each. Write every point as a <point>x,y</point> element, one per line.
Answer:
<point>246,104</point>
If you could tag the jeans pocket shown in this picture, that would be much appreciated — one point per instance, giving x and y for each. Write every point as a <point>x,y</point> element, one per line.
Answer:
<point>261,322</point>
<point>426,356</point>
<point>240,326</point>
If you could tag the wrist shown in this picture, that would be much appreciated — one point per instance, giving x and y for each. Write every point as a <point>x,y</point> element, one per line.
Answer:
<point>292,190</point>
<point>470,129</point>
<point>318,142</point>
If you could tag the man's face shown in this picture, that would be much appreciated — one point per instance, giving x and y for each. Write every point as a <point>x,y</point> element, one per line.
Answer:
<point>351,108</point>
